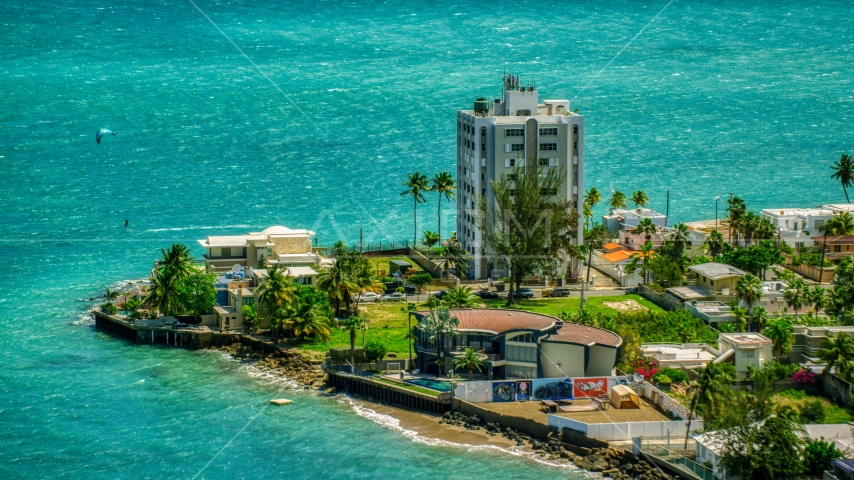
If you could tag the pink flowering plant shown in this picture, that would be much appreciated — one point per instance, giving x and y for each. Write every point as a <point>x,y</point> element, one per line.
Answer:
<point>804,377</point>
<point>647,369</point>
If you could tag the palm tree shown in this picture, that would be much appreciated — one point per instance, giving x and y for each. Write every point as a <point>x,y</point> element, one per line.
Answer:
<point>740,315</point>
<point>749,224</point>
<point>470,360</point>
<point>132,305</point>
<point>352,325</point>
<point>617,200</point>
<point>443,184</point>
<point>364,278</point>
<point>174,265</point>
<point>749,290</point>
<point>707,388</point>
<point>437,325</point>
<point>410,336</point>
<point>430,238</point>
<point>639,198</point>
<point>250,317</point>
<point>275,290</point>
<point>844,172</point>
<point>679,236</point>
<point>817,296</point>
<point>337,282</point>
<point>587,210</point>
<point>459,297</point>
<point>837,351</point>
<point>416,186</point>
<point>646,228</point>
<point>795,294</point>
<point>781,332</point>
<point>591,198</point>
<point>759,317</point>
<point>714,243</point>
<point>839,225</point>
<point>111,295</point>
<point>736,210</point>
<point>456,257</point>
<point>306,319</point>
<point>646,253</point>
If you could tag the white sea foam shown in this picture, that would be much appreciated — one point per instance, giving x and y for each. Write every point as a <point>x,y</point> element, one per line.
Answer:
<point>178,229</point>
<point>392,423</point>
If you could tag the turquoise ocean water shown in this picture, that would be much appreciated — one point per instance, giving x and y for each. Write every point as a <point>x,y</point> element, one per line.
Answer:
<point>346,98</point>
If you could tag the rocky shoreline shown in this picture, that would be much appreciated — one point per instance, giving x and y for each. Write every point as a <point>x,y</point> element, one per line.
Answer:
<point>611,462</point>
<point>280,363</point>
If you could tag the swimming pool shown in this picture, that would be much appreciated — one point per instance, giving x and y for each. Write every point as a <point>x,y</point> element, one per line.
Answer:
<point>431,384</point>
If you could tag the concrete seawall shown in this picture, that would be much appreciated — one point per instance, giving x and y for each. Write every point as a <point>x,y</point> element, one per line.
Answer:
<point>388,394</point>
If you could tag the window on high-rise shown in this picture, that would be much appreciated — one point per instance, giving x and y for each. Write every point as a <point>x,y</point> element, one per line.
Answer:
<point>548,146</point>
<point>514,132</point>
<point>551,131</point>
<point>517,147</point>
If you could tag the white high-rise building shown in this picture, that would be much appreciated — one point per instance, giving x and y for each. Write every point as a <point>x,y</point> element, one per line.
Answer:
<point>493,137</point>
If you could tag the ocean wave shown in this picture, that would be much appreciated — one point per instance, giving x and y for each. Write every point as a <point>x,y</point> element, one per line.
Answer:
<point>392,423</point>
<point>178,229</point>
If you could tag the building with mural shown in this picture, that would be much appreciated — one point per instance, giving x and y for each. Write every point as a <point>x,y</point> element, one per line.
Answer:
<point>520,345</point>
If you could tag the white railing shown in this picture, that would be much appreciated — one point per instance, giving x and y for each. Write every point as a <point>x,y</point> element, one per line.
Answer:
<point>625,430</point>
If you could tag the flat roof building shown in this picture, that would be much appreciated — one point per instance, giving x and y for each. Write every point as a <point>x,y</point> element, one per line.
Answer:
<point>277,245</point>
<point>514,131</point>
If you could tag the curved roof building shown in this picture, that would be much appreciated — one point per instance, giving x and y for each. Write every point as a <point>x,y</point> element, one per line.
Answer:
<point>521,344</point>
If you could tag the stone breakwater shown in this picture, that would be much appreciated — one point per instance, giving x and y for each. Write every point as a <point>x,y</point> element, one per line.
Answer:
<point>281,363</point>
<point>611,462</point>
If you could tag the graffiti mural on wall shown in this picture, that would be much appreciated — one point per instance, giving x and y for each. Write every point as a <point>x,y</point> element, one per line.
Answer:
<point>590,387</point>
<point>504,391</point>
<point>552,389</point>
<point>523,391</point>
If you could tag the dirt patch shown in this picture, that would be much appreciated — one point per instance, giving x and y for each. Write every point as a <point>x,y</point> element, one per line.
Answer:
<point>626,306</point>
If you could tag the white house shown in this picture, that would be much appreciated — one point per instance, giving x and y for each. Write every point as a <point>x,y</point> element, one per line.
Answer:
<point>620,219</point>
<point>277,245</point>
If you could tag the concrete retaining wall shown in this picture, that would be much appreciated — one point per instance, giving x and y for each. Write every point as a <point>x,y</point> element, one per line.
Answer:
<point>524,425</point>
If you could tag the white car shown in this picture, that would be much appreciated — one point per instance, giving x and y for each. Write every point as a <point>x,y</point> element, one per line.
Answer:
<point>394,297</point>
<point>368,297</point>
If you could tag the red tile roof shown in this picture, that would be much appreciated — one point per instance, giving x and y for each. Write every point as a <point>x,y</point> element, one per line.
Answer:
<point>499,321</point>
<point>584,335</point>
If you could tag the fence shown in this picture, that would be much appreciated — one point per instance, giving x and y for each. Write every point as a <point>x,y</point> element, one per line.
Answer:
<point>659,299</point>
<point>664,401</point>
<point>626,430</point>
<point>664,454</point>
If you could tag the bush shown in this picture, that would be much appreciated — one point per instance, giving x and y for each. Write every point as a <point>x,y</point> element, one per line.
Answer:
<point>109,309</point>
<point>341,355</point>
<point>804,377</point>
<point>818,454</point>
<point>812,412</point>
<point>375,351</point>
<point>662,379</point>
<point>675,375</point>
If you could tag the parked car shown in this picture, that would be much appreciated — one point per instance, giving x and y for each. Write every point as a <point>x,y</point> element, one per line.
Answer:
<point>440,294</point>
<point>631,290</point>
<point>394,297</point>
<point>486,294</point>
<point>524,293</point>
<point>557,292</point>
<point>368,297</point>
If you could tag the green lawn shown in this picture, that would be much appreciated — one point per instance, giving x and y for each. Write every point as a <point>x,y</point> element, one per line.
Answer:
<point>554,306</point>
<point>381,264</point>
<point>386,324</point>
<point>822,410</point>
<point>414,388</point>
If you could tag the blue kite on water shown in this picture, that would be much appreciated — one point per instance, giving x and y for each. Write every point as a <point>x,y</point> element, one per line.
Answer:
<point>101,133</point>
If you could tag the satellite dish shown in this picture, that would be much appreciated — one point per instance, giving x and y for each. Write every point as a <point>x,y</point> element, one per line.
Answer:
<point>638,378</point>
<point>237,269</point>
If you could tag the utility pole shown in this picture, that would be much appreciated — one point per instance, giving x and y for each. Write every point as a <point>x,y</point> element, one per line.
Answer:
<point>589,261</point>
<point>361,250</point>
<point>730,218</point>
<point>667,210</point>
